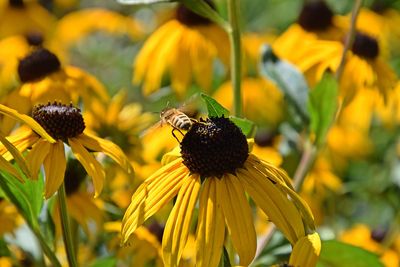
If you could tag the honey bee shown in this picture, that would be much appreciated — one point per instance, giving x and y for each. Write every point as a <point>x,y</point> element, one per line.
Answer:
<point>177,120</point>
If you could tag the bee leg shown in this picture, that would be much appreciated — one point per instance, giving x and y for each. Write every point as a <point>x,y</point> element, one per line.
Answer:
<point>175,129</point>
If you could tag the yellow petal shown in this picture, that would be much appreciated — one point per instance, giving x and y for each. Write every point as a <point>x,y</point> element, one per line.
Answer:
<point>274,203</point>
<point>152,195</point>
<point>19,159</point>
<point>210,226</point>
<point>178,224</point>
<point>28,120</point>
<point>306,251</point>
<point>22,140</point>
<point>238,217</point>
<point>54,168</point>
<point>97,144</point>
<point>36,157</point>
<point>91,165</point>
<point>8,167</point>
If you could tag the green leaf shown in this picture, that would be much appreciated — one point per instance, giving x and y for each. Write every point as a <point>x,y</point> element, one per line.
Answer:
<point>338,254</point>
<point>214,108</point>
<point>322,105</point>
<point>142,2</point>
<point>105,262</point>
<point>288,79</point>
<point>247,126</point>
<point>27,197</point>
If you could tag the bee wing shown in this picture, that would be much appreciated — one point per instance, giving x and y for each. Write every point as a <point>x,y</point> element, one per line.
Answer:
<point>152,128</point>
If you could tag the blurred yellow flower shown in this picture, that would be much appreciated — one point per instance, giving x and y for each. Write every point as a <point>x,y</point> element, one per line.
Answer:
<point>119,123</point>
<point>77,25</point>
<point>23,17</point>
<point>185,48</point>
<point>361,235</point>
<point>262,101</point>
<point>9,217</point>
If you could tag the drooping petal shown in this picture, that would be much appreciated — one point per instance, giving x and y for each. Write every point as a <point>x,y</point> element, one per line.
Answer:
<point>36,156</point>
<point>152,195</point>
<point>210,226</point>
<point>274,203</point>
<point>306,251</point>
<point>28,120</point>
<point>107,147</point>
<point>19,159</point>
<point>54,168</point>
<point>238,217</point>
<point>176,230</point>
<point>91,165</point>
<point>22,140</point>
<point>8,167</point>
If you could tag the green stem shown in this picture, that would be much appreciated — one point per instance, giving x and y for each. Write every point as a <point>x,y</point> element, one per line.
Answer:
<point>236,57</point>
<point>65,225</point>
<point>46,250</point>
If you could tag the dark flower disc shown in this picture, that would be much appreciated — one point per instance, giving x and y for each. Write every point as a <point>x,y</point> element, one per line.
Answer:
<point>378,234</point>
<point>315,16</point>
<point>37,65</point>
<point>214,147</point>
<point>189,18</point>
<point>16,3</point>
<point>34,38</point>
<point>59,120</point>
<point>365,46</point>
<point>74,175</point>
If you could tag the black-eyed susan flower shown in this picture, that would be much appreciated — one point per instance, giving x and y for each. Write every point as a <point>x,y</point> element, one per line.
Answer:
<point>371,239</point>
<point>215,169</point>
<point>44,79</point>
<point>185,48</point>
<point>23,17</point>
<point>61,124</point>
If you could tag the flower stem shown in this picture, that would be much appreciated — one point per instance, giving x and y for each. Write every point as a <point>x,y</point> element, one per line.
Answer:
<point>46,250</point>
<point>236,55</point>
<point>65,224</point>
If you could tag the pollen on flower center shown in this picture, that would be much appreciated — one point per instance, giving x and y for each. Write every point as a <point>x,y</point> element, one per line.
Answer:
<point>315,16</point>
<point>37,65</point>
<point>189,18</point>
<point>365,46</point>
<point>59,120</point>
<point>214,147</point>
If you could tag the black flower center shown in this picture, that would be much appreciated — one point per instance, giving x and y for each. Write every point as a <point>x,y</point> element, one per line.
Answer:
<point>59,120</point>
<point>74,175</point>
<point>214,147</point>
<point>37,65</point>
<point>264,138</point>
<point>16,3</point>
<point>34,38</point>
<point>189,18</point>
<point>157,229</point>
<point>315,16</point>
<point>365,46</point>
<point>378,234</point>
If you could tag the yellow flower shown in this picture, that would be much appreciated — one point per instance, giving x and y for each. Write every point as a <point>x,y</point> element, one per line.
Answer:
<point>23,17</point>
<point>146,245</point>
<point>76,25</point>
<point>262,101</point>
<point>306,251</point>
<point>211,170</point>
<point>11,49</point>
<point>64,124</point>
<point>44,79</point>
<point>9,217</point>
<point>360,235</point>
<point>185,48</point>
<point>120,123</point>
